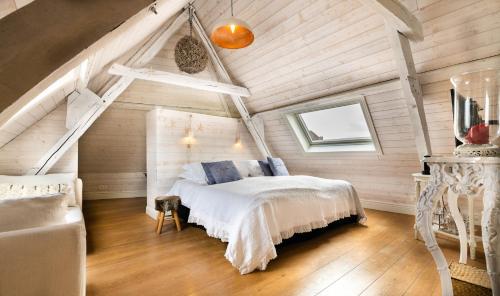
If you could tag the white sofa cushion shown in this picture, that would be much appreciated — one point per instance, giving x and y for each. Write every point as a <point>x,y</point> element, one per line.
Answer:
<point>29,186</point>
<point>32,212</point>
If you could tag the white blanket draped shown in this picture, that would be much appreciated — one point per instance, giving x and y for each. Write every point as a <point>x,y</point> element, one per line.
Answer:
<point>254,214</point>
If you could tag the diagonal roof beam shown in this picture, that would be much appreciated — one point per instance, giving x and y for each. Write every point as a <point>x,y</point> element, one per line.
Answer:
<point>24,65</point>
<point>254,130</point>
<point>141,57</point>
<point>411,89</point>
<point>46,35</point>
<point>398,17</point>
<point>401,27</point>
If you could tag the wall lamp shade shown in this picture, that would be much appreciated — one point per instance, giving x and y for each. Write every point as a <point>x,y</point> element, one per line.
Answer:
<point>232,33</point>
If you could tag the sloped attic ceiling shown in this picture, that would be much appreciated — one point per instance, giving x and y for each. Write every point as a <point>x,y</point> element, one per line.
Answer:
<point>42,36</point>
<point>304,49</point>
<point>308,49</point>
<point>101,51</point>
<point>145,95</point>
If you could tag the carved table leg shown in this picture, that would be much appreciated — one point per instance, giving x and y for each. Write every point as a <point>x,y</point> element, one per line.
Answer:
<point>472,228</point>
<point>459,222</point>
<point>417,194</point>
<point>490,224</point>
<point>424,223</point>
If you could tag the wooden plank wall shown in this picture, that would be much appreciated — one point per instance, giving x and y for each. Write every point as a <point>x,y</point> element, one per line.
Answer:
<point>305,51</point>
<point>167,152</point>
<point>19,155</point>
<point>112,155</point>
<point>382,178</point>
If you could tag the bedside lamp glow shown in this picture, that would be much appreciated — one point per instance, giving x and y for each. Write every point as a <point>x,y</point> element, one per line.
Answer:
<point>237,143</point>
<point>189,139</point>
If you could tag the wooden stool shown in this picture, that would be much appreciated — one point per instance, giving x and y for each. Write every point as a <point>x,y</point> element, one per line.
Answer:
<point>164,204</point>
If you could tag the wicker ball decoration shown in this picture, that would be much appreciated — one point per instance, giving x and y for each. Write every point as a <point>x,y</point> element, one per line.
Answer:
<point>190,55</point>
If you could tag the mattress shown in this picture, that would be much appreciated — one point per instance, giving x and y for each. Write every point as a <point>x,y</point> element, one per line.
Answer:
<point>255,214</point>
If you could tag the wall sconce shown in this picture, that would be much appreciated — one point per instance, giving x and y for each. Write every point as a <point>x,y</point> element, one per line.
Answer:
<point>237,141</point>
<point>189,139</point>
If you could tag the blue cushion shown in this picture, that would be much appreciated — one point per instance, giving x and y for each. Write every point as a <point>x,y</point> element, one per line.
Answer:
<point>277,166</point>
<point>221,172</point>
<point>266,169</point>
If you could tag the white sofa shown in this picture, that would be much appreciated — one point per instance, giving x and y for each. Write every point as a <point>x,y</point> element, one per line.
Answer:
<point>47,260</point>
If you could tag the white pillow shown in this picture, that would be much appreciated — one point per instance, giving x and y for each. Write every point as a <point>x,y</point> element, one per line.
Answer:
<point>26,186</point>
<point>249,168</point>
<point>16,191</point>
<point>32,212</point>
<point>194,172</point>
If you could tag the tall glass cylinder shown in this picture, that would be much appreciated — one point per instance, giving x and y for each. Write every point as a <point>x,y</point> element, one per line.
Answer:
<point>477,113</point>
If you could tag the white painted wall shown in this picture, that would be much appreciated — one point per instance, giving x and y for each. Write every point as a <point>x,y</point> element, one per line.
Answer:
<point>112,155</point>
<point>384,179</point>
<point>20,154</point>
<point>167,152</point>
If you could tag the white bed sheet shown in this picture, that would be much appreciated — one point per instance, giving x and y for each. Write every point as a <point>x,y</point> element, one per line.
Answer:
<point>255,214</point>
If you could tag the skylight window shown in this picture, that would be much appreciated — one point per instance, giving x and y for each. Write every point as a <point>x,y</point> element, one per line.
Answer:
<point>341,127</point>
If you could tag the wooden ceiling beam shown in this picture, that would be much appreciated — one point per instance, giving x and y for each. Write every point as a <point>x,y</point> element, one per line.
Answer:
<point>252,127</point>
<point>47,35</point>
<point>401,27</point>
<point>141,57</point>
<point>179,80</point>
<point>411,89</point>
<point>398,17</point>
<point>30,62</point>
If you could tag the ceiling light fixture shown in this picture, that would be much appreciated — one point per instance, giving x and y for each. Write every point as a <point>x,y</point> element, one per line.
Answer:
<point>232,33</point>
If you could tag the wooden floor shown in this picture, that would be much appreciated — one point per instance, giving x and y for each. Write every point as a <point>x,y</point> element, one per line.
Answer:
<point>126,257</point>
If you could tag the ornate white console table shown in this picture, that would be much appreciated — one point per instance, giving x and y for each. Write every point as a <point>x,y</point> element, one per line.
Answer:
<point>420,183</point>
<point>463,176</point>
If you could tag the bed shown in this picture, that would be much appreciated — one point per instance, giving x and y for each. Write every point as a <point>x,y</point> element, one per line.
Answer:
<point>254,214</point>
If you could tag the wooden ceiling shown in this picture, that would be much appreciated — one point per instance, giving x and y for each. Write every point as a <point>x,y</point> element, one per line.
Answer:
<point>308,49</point>
<point>45,34</point>
<point>303,49</point>
<point>115,44</point>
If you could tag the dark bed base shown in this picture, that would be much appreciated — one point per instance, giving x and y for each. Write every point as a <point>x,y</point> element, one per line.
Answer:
<point>298,237</point>
<point>183,213</point>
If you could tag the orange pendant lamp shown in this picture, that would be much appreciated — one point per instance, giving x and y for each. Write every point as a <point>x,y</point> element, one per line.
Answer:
<point>232,33</point>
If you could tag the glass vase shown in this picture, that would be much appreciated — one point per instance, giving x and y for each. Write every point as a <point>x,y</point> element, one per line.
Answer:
<point>476,113</point>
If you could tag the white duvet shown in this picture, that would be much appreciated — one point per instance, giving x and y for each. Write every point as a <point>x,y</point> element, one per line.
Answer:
<point>254,214</point>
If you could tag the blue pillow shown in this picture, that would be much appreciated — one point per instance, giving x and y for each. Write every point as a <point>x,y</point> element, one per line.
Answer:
<point>277,166</point>
<point>266,169</point>
<point>221,172</point>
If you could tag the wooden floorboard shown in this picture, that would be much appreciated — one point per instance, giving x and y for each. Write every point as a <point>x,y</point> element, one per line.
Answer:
<point>126,257</point>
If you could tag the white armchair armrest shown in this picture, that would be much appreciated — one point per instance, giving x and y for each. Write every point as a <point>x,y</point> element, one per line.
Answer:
<point>43,261</point>
<point>79,192</point>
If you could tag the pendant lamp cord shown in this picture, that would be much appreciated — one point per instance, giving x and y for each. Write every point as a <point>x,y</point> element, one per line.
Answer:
<point>191,10</point>
<point>232,11</point>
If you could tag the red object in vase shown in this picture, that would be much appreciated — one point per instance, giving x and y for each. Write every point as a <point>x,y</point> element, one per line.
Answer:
<point>478,134</point>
